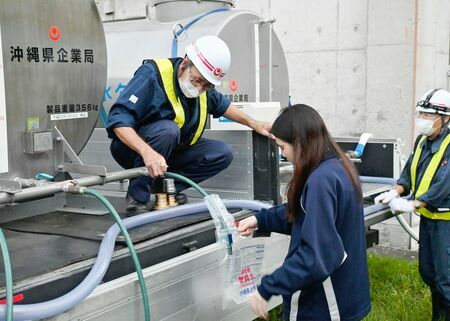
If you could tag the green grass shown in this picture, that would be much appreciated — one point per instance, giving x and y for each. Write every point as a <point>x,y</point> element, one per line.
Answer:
<point>397,292</point>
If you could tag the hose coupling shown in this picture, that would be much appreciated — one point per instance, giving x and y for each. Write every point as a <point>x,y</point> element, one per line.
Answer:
<point>73,188</point>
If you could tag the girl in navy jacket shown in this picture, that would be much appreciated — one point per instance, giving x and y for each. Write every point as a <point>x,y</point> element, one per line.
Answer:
<point>324,276</point>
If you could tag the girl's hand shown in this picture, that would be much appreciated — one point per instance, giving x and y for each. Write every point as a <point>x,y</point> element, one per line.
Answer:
<point>247,226</point>
<point>259,305</point>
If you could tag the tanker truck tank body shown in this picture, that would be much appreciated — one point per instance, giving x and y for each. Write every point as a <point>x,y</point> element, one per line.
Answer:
<point>52,73</point>
<point>252,41</point>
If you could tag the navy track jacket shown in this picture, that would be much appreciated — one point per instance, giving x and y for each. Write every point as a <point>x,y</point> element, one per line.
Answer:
<point>324,276</point>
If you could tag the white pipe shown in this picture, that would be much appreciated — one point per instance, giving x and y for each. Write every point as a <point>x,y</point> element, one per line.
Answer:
<point>257,69</point>
<point>407,227</point>
<point>270,61</point>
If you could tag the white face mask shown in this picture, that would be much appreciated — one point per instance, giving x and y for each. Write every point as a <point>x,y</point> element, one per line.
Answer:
<point>425,126</point>
<point>188,89</point>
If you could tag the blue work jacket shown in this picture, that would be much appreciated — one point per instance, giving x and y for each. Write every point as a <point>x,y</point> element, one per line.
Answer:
<point>143,101</point>
<point>438,195</point>
<point>324,276</point>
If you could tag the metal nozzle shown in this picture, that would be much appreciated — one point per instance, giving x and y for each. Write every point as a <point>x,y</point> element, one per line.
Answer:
<point>169,186</point>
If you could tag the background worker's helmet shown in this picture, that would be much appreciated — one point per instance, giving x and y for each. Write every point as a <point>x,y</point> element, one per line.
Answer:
<point>435,101</point>
<point>211,56</point>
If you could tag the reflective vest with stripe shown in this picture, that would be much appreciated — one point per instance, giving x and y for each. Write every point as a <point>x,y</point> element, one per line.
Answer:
<point>166,75</point>
<point>427,177</point>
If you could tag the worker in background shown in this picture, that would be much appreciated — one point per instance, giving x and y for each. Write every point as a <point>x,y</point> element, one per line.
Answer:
<point>159,118</point>
<point>426,176</point>
<point>324,276</point>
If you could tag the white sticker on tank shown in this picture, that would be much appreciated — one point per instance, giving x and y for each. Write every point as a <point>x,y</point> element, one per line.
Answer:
<point>3,128</point>
<point>69,116</point>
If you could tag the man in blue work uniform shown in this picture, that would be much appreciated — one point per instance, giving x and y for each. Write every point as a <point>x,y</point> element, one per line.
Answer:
<point>159,118</point>
<point>427,177</point>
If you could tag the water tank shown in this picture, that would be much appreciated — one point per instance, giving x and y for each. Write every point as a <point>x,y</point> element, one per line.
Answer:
<point>52,73</point>
<point>258,69</point>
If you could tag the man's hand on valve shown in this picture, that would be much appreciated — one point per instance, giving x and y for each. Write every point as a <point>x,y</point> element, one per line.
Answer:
<point>386,197</point>
<point>400,205</point>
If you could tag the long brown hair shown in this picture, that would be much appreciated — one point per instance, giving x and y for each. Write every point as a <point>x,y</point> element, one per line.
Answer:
<point>302,127</point>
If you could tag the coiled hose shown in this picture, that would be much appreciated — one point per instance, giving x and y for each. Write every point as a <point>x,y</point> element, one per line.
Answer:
<point>128,240</point>
<point>65,302</point>
<point>49,308</point>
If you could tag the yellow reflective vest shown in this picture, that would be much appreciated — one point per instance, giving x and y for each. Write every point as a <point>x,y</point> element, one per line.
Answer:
<point>166,73</point>
<point>428,175</point>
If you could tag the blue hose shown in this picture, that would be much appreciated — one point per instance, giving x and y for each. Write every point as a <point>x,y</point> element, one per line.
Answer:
<point>95,275</point>
<point>190,23</point>
<point>381,207</point>
<point>378,180</point>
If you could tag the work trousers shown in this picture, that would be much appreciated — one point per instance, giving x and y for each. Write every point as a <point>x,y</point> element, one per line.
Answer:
<point>434,263</point>
<point>198,162</point>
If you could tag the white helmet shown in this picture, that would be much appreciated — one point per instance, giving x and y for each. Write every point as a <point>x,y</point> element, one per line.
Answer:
<point>436,101</point>
<point>211,56</point>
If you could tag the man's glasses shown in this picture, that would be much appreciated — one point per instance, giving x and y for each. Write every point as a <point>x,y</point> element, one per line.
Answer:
<point>195,81</point>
